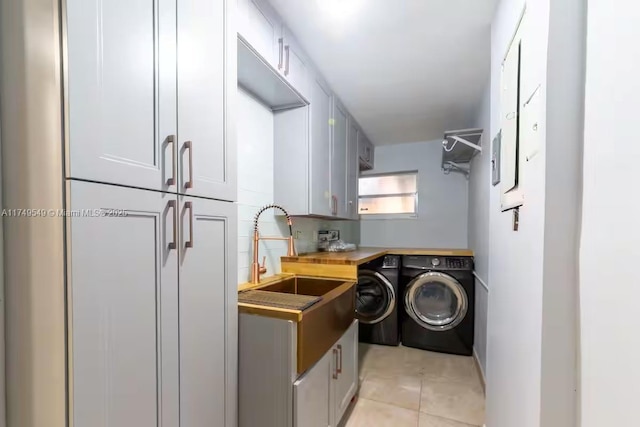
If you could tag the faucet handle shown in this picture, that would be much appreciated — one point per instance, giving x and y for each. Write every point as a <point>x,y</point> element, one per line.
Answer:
<point>263,267</point>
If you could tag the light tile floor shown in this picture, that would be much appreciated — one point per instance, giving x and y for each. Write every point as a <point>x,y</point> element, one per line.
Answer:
<point>402,386</point>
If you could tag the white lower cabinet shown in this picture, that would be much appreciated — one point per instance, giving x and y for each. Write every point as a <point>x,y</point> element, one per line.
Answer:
<point>207,300</point>
<point>322,395</point>
<point>345,379</point>
<point>311,395</point>
<point>152,341</point>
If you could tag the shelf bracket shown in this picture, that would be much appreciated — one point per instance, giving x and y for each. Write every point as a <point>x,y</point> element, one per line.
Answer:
<point>462,140</point>
<point>453,166</point>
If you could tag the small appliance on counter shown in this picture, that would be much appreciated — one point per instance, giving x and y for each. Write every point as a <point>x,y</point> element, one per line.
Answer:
<point>329,241</point>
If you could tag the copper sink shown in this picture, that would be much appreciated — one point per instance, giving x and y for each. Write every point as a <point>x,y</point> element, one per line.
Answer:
<point>312,286</point>
<point>322,324</point>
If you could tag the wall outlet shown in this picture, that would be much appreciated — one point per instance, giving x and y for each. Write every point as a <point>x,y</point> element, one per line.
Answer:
<point>325,236</point>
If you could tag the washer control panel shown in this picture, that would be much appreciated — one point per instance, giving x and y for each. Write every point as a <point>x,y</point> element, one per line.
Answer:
<point>427,262</point>
<point>458,263</point>
<point>391,261</point>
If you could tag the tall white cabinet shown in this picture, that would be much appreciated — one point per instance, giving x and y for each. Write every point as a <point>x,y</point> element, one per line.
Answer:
<point>142,112</point>
<point>151,172</point>
<point>124,307</point>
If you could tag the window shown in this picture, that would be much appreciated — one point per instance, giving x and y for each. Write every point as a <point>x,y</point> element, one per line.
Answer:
<point>388,194</point>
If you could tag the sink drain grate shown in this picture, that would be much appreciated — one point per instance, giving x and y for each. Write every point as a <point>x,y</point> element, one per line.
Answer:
<point>278,299</point>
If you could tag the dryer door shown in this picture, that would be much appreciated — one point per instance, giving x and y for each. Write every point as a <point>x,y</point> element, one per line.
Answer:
<point>436,301</point>
<point>375,297</point>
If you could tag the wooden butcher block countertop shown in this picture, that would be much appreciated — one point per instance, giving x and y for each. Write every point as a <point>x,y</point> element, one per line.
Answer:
<point>363,255</point>
<point>344,265</point>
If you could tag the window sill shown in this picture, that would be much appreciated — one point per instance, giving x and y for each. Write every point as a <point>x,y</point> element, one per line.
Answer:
<point>373,217</point>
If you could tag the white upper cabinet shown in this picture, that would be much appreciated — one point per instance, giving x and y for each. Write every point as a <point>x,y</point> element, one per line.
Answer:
<point>122,91</point>
<point>339,159</point>
<point>366,152</point>
<point>261,26</point>
<point>303,156</point>
<point>296,67</point>
<point>130,89</point>
<point>352,169</point>
<point>206,81</point>
<point>320,201</point>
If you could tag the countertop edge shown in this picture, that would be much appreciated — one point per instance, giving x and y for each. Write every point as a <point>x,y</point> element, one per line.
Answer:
<point>369,254</point>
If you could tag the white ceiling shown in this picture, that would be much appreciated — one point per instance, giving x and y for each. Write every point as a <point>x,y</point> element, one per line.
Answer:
<point>406,69</point>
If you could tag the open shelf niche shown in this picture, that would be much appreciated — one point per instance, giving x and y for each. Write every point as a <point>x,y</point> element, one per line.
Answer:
<point>458,149</point>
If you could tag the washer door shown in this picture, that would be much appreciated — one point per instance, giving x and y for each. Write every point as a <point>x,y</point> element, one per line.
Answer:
<point>436,301</point>
<point>375,297</point>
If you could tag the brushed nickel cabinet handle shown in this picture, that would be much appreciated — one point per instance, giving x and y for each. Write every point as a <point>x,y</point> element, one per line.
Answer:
<point>286,63</point>
<point>173,205</point>
<point>335,360</point>
<point>171,139</point>
<point>189,146</point>
<point>189,205</point>
<point>280,43</point>
<point>340,360</point>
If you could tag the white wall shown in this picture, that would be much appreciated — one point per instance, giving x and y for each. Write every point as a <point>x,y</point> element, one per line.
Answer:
<point>255,190</point>
<point>515,265</point>
<point>442,201</point>
<point>563,182</point>
<point>531,363</point>
<point>478,226</point>
<point>610,249</point>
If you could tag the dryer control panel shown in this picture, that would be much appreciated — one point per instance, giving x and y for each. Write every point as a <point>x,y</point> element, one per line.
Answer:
<point>428,262</point>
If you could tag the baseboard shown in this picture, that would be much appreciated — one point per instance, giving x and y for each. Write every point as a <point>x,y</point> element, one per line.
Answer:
<point>482,282</point>
<point>480,371</point>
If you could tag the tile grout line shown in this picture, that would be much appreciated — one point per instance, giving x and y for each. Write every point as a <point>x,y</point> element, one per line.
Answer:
<point>420,401</point>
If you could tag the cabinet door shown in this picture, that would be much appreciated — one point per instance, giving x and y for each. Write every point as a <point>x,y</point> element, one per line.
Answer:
<point>296,65</point>
<point>339,160</point>
<point>352,170</point>
<point>122,91</point>
<point>320,153</point>
<point>123,318</point>
<point>311,395</point>
<point>261,26</point>
<point>208,313</point>
<point>365,150</point>
<point>371,152</point>
<point>345,386</point>
<point>206,87</point>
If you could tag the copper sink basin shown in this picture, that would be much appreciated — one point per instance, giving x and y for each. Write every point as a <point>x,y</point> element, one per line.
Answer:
<point>313,286</point>
<point>322,324</point>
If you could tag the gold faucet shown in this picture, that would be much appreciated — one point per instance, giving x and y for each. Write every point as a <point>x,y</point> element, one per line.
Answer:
<point>256,268</point>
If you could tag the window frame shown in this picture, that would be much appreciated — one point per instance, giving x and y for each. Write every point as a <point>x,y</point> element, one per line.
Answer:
<point>378,216</point>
